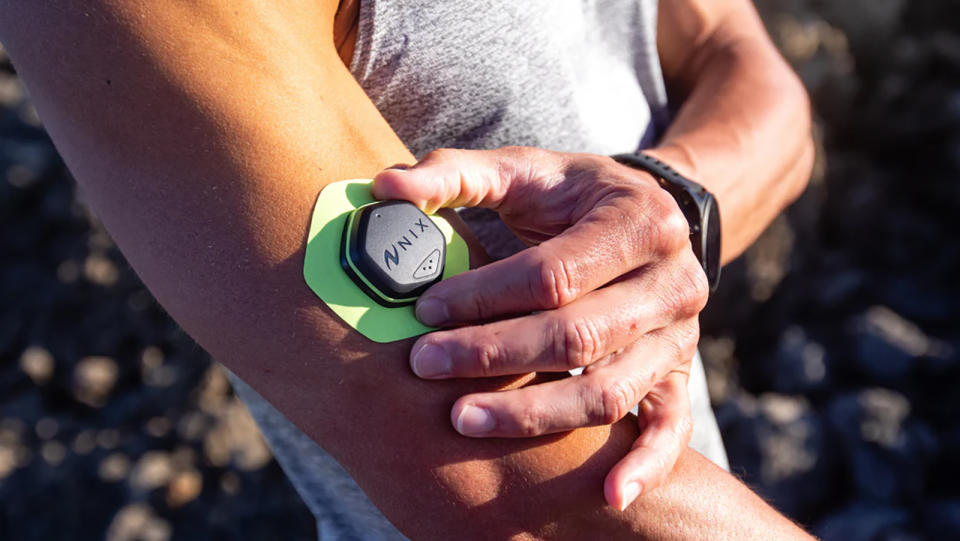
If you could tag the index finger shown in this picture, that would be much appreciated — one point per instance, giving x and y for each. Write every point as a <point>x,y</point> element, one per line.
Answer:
<point>624,232</point>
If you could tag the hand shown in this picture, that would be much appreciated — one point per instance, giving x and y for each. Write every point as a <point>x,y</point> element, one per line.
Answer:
<point>610,284</point>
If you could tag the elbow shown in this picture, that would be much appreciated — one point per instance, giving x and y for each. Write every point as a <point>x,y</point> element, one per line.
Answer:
<point>805,156</point>
<point>803,171</point>
<point>791,112</point>
<point>779,95</point>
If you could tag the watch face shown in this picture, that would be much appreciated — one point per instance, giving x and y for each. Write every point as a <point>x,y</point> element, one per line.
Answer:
<point>711,242</point>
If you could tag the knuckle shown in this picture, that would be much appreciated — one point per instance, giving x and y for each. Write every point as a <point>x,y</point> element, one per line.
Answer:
<point>685,293</point>
<point>522,152</point>
<point>584,165</point>
<point>696,290</point>
<point>700,286</point>
<point>616,399</point>
<point>579,343</point>
<point>683,430</point>
<point>669,301</point>
<point>517,150</point>
<point>687,338</point>
<point>489,358</point>
<point>440,155</point>
<point>554,284</point>
<point>700,291</point>
<point>671,227</point>
<point>529,420</point>
<point>519,162</point>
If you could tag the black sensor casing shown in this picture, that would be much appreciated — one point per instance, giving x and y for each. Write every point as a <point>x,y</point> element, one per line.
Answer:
<point>392,251</point>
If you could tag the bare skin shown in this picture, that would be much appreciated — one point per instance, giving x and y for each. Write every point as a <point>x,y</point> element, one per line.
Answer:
<point>201,134</point>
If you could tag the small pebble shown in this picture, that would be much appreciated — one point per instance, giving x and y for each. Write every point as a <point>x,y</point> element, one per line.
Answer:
<point>114,467</point>
<point>37,363</point>
<point>153,470</point>
<point>184,488</point>
<point>94,378</point>
<point>53,452</point>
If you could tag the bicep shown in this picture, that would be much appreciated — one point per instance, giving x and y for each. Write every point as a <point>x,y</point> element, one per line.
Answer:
<point>201,136</point>
<point>689,29</point>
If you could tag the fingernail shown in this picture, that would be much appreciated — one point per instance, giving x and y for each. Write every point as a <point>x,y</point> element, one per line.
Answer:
<point>474,421</point>
<point>431,361</point>
<point>432,312</point>
<point>630,492</point>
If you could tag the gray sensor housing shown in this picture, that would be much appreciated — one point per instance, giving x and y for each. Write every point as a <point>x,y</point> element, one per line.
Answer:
<point>392,251</point>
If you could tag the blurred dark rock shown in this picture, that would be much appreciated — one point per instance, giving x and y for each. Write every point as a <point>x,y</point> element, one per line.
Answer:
<point>138,522</point>
<point>798,365</point>
<point>866,22</point>
<point>861,522</point>
<point>941,519</point>
<point>787,446</point>
<point>919,299</point>
<point>870,279</point>
<point>886,451</point>
<point>94,378</point>
<point>885,345</point>
<point>833,289</point>
<point>947,464</point>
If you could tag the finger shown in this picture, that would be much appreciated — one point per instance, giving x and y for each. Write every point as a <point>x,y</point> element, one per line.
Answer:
<point>602,396</point>
<point>625,231</point>
<point>573,336</point>
<point>665,412</point>
<point>464,178</point>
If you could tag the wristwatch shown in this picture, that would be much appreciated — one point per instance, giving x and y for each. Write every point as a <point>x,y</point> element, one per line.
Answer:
<point>697,204</point>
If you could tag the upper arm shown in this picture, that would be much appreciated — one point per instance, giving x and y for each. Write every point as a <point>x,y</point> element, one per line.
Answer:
<point>201,132</point>
<point>689,31</point>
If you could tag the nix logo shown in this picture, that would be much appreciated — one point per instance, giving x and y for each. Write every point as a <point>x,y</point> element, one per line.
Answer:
<point>393,250</point>
<point>392,254</point>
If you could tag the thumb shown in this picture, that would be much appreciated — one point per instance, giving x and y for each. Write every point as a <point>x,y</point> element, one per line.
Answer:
<point>461,178</point>
<point>666,426</point>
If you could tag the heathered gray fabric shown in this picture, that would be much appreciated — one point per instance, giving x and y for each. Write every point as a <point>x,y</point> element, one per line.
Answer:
<point>567,75</point>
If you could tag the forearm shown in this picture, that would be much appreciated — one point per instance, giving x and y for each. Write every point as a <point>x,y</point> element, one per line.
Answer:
<point>743,129</point>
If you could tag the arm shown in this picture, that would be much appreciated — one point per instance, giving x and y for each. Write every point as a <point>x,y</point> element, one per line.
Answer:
<point>201,134</point>
<point>743,130</point>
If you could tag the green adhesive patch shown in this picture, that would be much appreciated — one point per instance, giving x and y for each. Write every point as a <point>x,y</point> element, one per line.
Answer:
<point>325,276</point>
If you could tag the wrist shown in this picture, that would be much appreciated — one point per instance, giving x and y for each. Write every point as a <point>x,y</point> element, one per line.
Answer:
<point>678,156</point>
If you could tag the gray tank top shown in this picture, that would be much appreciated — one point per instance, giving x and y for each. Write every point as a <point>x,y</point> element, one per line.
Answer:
<point>566,75</point>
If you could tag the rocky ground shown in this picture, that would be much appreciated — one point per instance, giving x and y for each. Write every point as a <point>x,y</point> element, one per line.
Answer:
<point>833,346</point>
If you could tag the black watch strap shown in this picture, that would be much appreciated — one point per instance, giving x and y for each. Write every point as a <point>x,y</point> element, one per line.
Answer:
<point>698,205</point>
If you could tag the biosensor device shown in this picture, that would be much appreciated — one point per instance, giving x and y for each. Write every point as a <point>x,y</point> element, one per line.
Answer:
<point>392,251</point>
<point>369,260</point>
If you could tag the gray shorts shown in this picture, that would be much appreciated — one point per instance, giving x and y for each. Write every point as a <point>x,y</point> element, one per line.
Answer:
<point>343,511</point>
